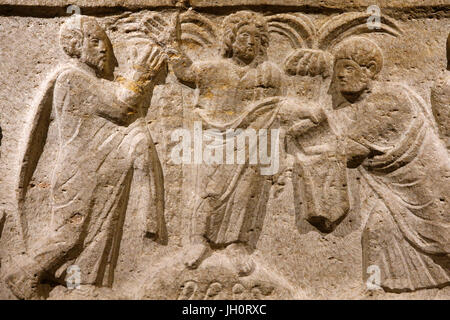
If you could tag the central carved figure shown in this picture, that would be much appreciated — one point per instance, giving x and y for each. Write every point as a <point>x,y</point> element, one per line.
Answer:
<point>239,90</point>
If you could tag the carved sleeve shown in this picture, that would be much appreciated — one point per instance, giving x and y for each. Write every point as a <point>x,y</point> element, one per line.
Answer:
<point>383,118</point>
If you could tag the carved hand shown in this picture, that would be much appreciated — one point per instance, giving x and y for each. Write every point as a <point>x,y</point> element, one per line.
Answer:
<point>148,63</point>
<point>155,62</point>
<point>356,153</point>
<point>301,127</point>
<point>299,117</point>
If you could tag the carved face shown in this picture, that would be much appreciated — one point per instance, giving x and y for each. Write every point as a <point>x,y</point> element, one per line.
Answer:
<point>247,45</point>
<point>97,51</point>
<point>350,78</point>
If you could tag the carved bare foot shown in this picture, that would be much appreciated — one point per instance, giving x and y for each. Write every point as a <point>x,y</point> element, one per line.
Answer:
<point>22,284</point>
<point>195,254</point>
<point>189,290</point>
<point>245,266</point>
<point>24,279</point>
<point>241,260</point>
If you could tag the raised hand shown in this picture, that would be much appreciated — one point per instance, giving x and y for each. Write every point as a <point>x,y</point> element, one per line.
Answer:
<point>147,62</point>
<point>155,61</point>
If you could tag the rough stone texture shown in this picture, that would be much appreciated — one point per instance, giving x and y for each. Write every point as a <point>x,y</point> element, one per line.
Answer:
<point>87,3</point>
<point>96,202</point>
<point>320,3</point>
<point>218,3</point>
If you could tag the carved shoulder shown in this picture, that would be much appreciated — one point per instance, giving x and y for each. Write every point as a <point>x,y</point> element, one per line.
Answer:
<point>71,74</point>
<point>383,116</point>
<point>440,95</point>
<point>440,105</point>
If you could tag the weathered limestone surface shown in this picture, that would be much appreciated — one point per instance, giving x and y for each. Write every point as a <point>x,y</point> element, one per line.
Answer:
<point>321,3</point>
<point>336,4</point>
<point>383,3</point>
<point>234,149</point>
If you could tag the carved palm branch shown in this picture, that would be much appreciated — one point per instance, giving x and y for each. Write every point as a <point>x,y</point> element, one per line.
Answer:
<point>197,29</point>
<point>351,24</point>
<point>312,47</point>
<point>299,29</point>
<point>145,25</point>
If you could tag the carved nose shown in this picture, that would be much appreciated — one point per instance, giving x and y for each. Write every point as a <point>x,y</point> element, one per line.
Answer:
<point>102,46</point>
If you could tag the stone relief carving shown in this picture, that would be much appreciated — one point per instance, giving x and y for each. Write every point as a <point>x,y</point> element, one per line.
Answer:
<point>232,90</point>
<point>440,101</point>
<point>321,189</point>
<point>352,144</point>
<point>391,139</point>
<point>2,214</point>
<point>406,235</point>
<point>86,149</point>
<point>398,153</point>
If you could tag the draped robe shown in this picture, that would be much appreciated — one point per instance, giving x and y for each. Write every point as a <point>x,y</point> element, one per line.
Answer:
<point>407,234</point>
<point>83,153</point>
<point>321,194</point>
<point>233,197</point>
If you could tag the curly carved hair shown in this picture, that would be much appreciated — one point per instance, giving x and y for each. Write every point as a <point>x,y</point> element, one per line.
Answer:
<point>234,22</point>
<point>361,50</point>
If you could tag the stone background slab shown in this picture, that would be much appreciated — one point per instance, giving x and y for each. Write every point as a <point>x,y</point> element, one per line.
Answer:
<point>337,4</point>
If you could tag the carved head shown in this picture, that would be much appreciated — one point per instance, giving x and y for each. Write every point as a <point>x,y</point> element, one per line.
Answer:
<point>81,37</point>
<point>246,36</point>
<point>357,62</point>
